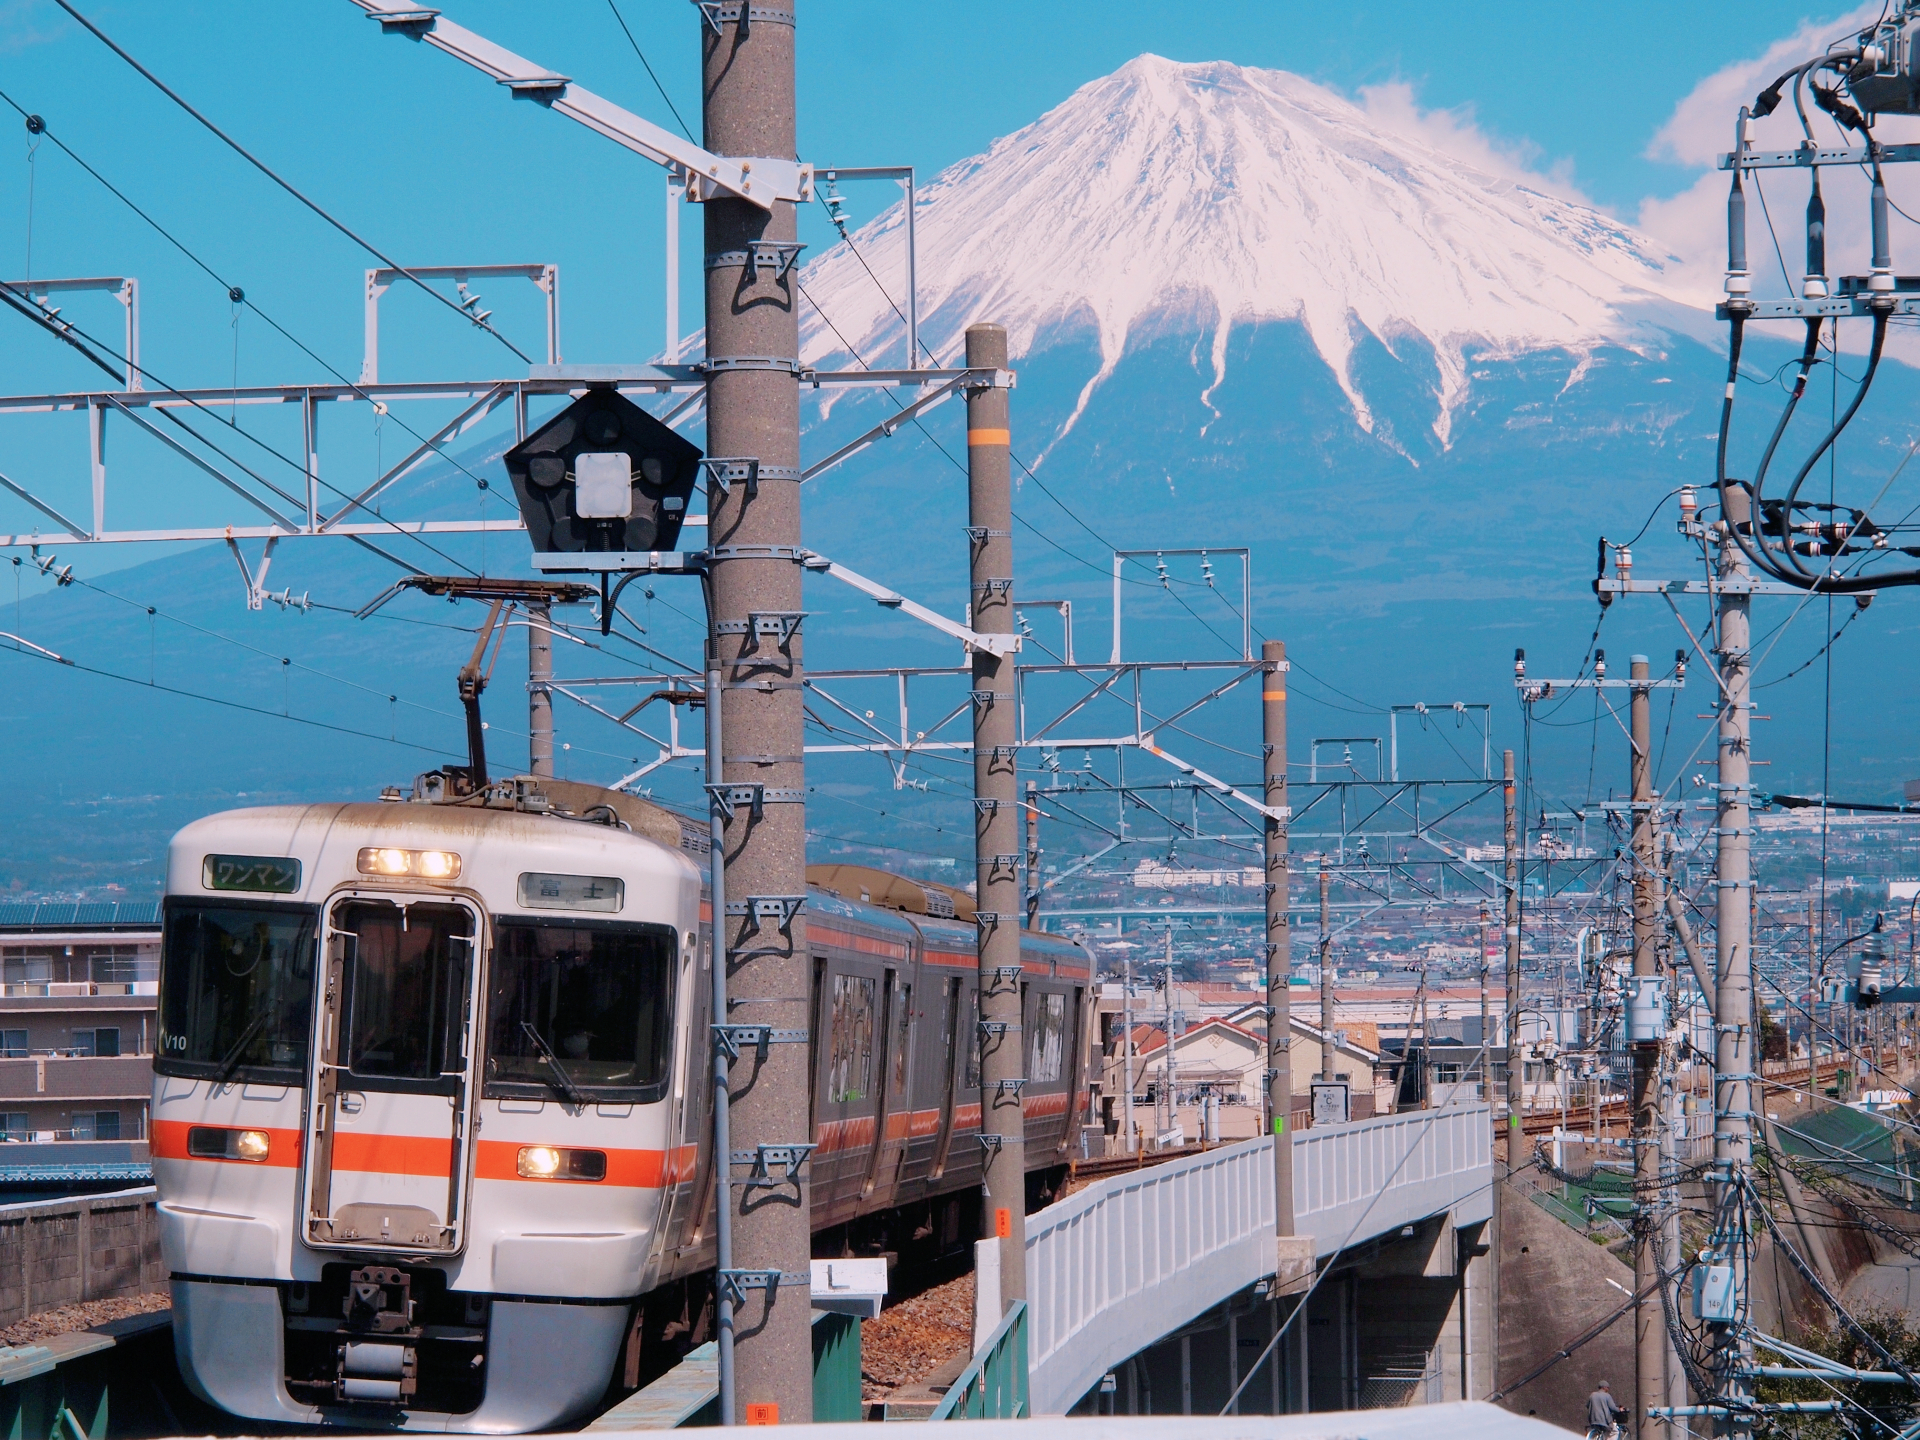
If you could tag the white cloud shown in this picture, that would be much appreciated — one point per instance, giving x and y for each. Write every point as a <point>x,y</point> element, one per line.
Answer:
<point>1693,223</point>
<point>1457,133</point>
<point>1701,126</point>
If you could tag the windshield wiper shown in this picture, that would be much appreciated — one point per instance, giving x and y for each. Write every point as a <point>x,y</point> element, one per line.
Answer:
<point>566,1086</point>
<point>230,1062</point>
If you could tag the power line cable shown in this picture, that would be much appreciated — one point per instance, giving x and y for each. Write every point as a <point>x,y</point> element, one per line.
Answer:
<point>238,296</point>
<point>649,69</point>
<point>267,171</point>
<point>91,347</point>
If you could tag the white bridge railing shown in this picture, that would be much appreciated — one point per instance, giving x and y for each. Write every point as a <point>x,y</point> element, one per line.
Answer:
<point>1130,1258</point>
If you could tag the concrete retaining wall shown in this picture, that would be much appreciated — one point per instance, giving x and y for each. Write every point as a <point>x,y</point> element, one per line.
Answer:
<point>61,1252</point>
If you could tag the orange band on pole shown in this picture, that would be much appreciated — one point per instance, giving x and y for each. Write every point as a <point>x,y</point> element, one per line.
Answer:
<point>989,437</point>
<point>1273,694</point>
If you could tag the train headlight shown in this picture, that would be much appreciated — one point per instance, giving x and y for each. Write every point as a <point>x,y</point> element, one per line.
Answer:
<point>214,1142</point>
<point>436,864</point>
<point>549,1162</point>
<point>426,864</point>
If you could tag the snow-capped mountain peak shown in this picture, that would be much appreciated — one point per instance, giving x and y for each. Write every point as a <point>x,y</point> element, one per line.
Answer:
<point>1237,195</point>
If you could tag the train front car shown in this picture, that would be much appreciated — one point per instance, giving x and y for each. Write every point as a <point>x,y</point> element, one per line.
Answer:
<point>415,1122</point>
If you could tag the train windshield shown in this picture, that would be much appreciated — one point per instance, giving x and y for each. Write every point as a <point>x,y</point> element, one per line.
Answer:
<point>406,997</point>
<point>236,991</point>
<point>580,1011</point>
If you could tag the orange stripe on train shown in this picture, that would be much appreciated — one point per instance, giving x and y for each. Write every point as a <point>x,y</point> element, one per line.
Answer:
<point>168,1141</point>
<point>627,1169</point>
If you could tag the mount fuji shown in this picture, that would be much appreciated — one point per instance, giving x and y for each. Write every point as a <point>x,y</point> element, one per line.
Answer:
<point>1418,380</point>
<point>1415,380</point>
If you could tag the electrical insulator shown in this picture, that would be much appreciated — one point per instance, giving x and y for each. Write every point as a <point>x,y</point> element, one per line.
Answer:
<point>1680,666</point>
<point>1815,285</point>
<point>1881,279</point>
<point>1873,964</point>
<point>1689,508</point>
<point>1599,664</point>
<point>1739,282</point>
<point>1519,663</point>
<point>1623,563</point>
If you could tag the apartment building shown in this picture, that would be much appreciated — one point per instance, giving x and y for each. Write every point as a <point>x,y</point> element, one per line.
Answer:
<point>78,993</point>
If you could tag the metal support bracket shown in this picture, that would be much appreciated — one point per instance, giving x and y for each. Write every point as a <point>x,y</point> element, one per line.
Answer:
<point>987,804</point>
<point>1015,1083</point>
<point>998,865</point>
<point>989,1141</point>
<point>782,625</point>
<point>759,552</point>
<point>760,180</point>
<point>994,644</point>
<point>778,364</point>
<point>777,255</point>
<point>989,919</point>
<point>734,1284</point>
<point>730,1038</point>
<point>766,1160</point>
<point>1008,974</point>
<point>998,1028</point>
<point>994,585</point>
<point>983,700</point>
<point>980,534</point>
<point>729,470</point>
<point>779,908</point>
<point>751,793</point>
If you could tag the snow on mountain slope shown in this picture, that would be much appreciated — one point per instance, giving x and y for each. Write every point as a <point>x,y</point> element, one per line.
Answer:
<point>1240,195</point>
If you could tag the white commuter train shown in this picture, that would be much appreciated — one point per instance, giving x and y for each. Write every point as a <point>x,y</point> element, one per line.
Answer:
<point>430,1121</point>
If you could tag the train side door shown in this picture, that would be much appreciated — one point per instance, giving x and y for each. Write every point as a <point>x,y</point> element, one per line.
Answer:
<point>392,1075</point>
<point>893,1111</point>
<point>848,1100</point>
<point>951,1022</point>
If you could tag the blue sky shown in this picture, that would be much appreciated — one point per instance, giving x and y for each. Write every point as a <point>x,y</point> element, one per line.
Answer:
<point>435,165</point>
<point>438,165</point>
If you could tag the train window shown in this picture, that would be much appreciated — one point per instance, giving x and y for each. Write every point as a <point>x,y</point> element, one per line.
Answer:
<point>850,1059</point>
<point>406,996</point>
<point>1049,1031</point>
<point>902,1028</point>
<point>236,991</point>
<point>583,1009</point>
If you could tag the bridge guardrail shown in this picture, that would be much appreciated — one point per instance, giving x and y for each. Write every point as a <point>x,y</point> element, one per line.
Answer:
<point>1112,1269</point>
<point>994,1386</point>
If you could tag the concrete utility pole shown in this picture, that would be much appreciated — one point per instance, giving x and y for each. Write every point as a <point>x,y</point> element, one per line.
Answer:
<point>1649,1311</point>
<point>754,604</point>
<point>1033,855</point>
<point>1813,1007</point>
<point>1166,1054</point>
<point>1126,1054</point>
<point>1273,716</point>
<point>1486,1035</point>
<point>1733,1006</point>
<point>539,689</point>
<point>1329,1052</point>
<point>996,827</point>
<point>1516,1065</point>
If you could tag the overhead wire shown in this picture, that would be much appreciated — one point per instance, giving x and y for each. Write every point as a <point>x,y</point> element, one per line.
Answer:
<point>237,295</point>
<point>266,170</point>
<point>648,67</point>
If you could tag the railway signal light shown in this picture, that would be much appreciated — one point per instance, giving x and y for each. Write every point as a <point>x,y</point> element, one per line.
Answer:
<point>603,476</point>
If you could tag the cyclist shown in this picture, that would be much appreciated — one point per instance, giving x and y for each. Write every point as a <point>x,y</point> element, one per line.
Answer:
<point>1603,1416</point>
